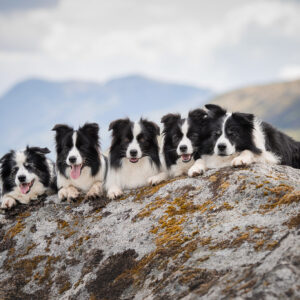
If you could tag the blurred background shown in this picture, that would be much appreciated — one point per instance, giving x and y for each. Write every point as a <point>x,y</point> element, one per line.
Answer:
<point>72,61</point>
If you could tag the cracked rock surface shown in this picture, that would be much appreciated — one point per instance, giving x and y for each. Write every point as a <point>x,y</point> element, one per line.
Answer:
<point>231,233</point>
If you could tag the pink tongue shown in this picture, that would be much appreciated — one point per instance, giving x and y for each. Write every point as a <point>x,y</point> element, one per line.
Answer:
<point>24,188</point>
<point>75,172</point>
<point>185,156</point>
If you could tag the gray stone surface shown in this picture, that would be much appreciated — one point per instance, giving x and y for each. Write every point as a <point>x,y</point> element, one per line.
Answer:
<point>232,233</point>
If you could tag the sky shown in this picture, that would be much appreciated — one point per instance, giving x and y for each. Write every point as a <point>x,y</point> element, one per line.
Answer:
<point>220,45</point>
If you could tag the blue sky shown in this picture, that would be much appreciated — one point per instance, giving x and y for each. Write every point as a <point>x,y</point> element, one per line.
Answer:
<point>217,44</point>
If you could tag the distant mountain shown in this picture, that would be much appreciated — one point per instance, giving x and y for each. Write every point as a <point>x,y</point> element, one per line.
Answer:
<point>30,109</point>
<point>277,103</point>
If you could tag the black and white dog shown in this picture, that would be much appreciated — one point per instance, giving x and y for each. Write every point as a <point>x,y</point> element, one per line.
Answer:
<point>80,165</point>
<point>133,155</point>
<point>239,139</point>
<point>25,175</point>
<point>181,144</point>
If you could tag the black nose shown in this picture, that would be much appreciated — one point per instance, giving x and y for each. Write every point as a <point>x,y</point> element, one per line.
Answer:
<point>183,148</point>
<point>133,153</point>
<point>72,159</point>
<point>22,178</point>
<point>221,147</point>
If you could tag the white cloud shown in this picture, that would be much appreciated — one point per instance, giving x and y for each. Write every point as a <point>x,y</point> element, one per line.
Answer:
<point>290,72</point>
<point>188,41</point>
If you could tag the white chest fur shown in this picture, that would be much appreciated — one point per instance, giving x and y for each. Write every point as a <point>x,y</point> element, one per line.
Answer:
<point>131,175</point>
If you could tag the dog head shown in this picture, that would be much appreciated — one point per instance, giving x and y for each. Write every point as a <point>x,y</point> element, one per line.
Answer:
<point>182,137</point>
<point>231,132</point>
<point>24,168</point>
<point>133,141</point>
<point>77,149</point>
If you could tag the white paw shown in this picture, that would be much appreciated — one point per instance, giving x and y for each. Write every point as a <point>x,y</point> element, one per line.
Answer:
<point>8,202</point>
<point>95,191</point>
<point>114,193</point>
<point>241,161</point>
<point>63,194</point>
<point>154,180</point>
<point>68,193</point>
<point>73,193</point>
<point>196,170</point>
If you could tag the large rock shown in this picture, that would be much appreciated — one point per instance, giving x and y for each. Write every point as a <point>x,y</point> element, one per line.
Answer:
<point>229,233</point>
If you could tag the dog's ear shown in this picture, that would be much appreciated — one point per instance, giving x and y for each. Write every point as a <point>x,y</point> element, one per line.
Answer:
<point>90,129</point>
<point>62,128</point>
<point>198,115</point>
<point>217,110</point>
<point>170,119</point>
<point>4,160</point>
<point>4,157</point>
<point>118,124</point>
<point>244,119</point>
<point>38,150</point>
<point>151,126</point>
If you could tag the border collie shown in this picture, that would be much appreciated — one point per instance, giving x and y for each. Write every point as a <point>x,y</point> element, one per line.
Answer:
<point>133,155</point>
<point>181,147</point>
<point>240,139</point>
<point>80,165</point>
<point>25,175</point>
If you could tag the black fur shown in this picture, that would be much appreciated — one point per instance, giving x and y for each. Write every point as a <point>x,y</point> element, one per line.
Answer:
<point>239,130</point>
<point>282,145</point>
<point>35,163</point>
<point>197,132</point>
<point>122,135</point>
<point>87,144</point>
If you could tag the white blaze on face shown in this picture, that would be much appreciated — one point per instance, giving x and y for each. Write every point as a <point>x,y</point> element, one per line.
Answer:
<point>74,152</point>
<point>75,155</point>
<point>223,140</point>
<point>185,141</point>
<point>134,144</point>
<point>26,184</point>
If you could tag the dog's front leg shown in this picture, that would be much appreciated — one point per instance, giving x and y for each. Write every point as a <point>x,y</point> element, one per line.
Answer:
<point>8,202</point>
<point>156,179</point>
<point>95,191</point>
<point>69,193</point>
<point>245,158</point>
<point>114,192</point>
<point>198,168</point>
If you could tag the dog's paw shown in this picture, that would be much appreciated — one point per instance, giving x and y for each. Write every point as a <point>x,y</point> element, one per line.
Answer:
<point>196,170</point>
<point>114,193</point>
<point>8,202</point>
<point>69,193</point>
<point>241,161</point>
<point>94,192</point>
<point>63,194</point>
<point>73,193</point>
<point>154,180</point>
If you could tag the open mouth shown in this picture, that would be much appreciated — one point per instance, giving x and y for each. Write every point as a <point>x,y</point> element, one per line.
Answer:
<point>75,171</point>
<point>186,157</point>
<point>25,187</point>
<point>133,159</point>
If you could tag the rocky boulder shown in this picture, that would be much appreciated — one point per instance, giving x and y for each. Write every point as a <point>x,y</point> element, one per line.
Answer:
<point>230,233</point>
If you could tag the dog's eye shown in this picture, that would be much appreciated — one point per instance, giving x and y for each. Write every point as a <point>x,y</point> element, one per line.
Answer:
<point>217,133</point>
<point>175,138</point>
<point>141,139</point>
<point>231,133</point>
<point>28,166</point>
<point>126,140</point>
<point>15,169</point>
